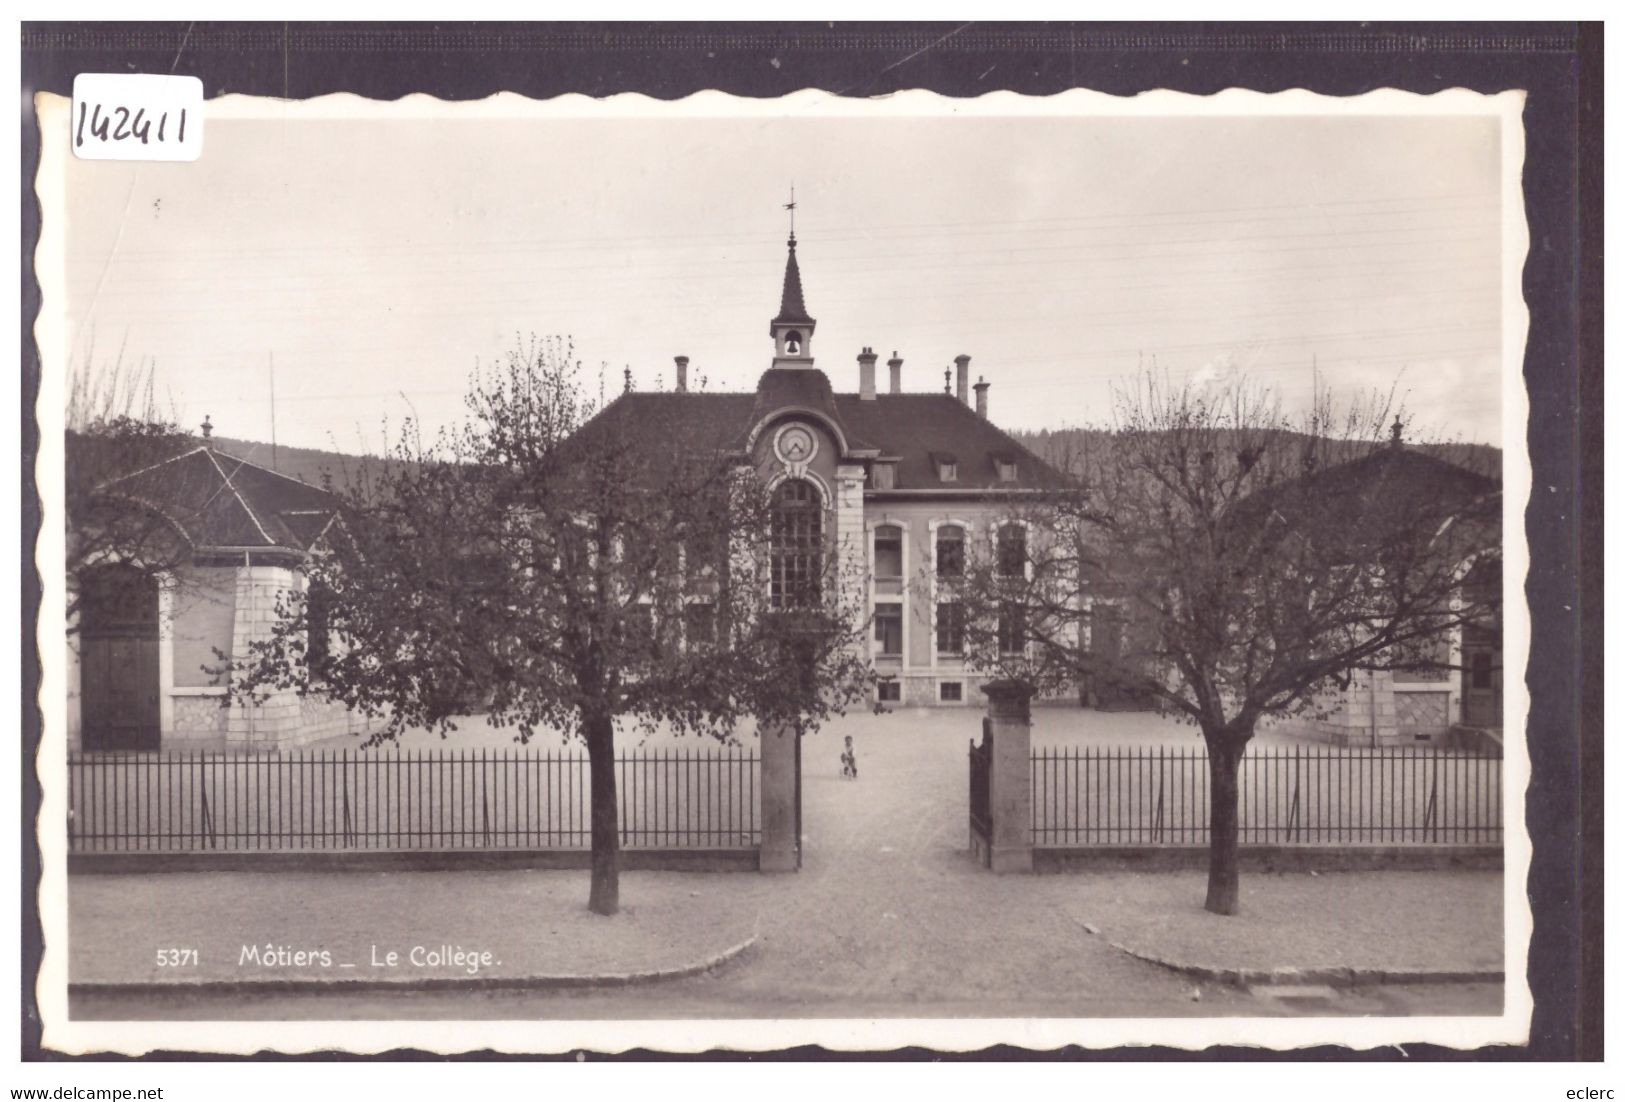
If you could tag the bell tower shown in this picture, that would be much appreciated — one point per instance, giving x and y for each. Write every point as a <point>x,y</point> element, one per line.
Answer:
<point>792,328</point>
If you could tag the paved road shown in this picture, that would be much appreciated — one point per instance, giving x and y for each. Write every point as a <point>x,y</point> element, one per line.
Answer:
<point>651,1002</point>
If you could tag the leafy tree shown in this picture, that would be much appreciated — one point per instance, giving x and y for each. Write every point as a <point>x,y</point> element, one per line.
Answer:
<point>569,572</point>
<point>1229,563</point>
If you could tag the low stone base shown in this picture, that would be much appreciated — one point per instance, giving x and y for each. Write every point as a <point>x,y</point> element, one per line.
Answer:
<point>1268,858</point>
<point>743,859</point>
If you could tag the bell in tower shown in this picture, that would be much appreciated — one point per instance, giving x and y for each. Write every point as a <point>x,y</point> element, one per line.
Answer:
<point>792,328</point>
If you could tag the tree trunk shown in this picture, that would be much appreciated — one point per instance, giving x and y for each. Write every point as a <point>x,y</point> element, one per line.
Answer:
<point>606,839</point>
<point>1224,822</point>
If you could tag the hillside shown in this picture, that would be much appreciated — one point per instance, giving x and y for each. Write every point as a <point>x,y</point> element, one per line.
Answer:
<point>312,465</point>
<point>315,465</point>
<point>1055,445</point>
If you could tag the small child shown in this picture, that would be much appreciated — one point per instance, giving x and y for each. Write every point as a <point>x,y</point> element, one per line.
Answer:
<point>849,760</point>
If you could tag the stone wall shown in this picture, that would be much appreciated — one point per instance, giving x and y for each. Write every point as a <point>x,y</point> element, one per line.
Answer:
<point>924,690</point>
<point>199,722</point>
<point>275,723</point>
<point>322,718</point>
<point>1383,709</point>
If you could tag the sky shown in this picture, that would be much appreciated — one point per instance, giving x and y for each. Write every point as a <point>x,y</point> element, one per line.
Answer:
<point>373,263</point>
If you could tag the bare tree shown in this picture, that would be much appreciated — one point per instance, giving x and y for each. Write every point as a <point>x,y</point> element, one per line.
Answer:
<point>1230,563</point>
<point>567,571</point>
<point>115,427</point>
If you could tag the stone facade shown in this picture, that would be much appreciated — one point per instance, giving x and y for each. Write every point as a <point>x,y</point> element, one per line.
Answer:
<point>223,609</point>
<point>923,668</point>
<point>273,724</point>
<point>199,721</point>
<point>321,718</point>
<point>1384,708</point>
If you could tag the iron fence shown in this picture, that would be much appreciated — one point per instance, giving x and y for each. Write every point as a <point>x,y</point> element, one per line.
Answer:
<point>406,800</point>
<point>1105,796</point>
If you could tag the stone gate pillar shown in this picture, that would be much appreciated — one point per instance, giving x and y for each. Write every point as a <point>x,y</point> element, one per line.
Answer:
<point>1009,708</point>
<point>781,781</point>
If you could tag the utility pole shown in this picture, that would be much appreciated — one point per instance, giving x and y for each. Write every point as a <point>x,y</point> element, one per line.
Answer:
<point>271,358</point>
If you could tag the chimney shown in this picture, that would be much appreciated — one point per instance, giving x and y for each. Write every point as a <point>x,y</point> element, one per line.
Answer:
<point>866,374</point>
<point>963,362</point>
<point>981,397</point>
<point>682,374</point>
<point>896,366</point>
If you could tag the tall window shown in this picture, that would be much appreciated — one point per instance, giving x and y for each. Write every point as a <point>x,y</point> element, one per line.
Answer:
<point>950,551</point>
<point>637,628</point>
<point>889,629</point>
<point>797,545</point>
<point>1012,629</point>
<point>888,552</point>
<point>700,624</point>
<point>1012,551</point>
<point>950,628</point>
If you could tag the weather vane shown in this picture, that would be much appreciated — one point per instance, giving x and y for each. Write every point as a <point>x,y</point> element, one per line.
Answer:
<point>791,207</point>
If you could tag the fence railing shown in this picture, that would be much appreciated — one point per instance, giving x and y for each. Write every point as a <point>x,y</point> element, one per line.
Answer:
<point>406,800</point>
<point>1106,796</point>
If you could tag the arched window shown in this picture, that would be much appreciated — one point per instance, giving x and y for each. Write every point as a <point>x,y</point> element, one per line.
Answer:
<point>117,600</point>
<point>797,545</point>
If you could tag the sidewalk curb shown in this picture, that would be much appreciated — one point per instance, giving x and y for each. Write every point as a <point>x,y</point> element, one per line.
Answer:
<point>427,983</point>
<point>1332,975</point>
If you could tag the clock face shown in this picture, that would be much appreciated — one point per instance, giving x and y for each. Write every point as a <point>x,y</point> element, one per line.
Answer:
<point>796,444</point>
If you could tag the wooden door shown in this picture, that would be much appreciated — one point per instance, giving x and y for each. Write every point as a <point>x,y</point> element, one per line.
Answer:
<point>118,669</point>
<point>120,697</point>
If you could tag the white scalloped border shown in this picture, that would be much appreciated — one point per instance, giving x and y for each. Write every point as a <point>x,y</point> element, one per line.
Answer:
<point>1512,1026</point>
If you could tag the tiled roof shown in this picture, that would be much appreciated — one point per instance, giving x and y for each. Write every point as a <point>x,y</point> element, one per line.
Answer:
<point>1385,487</point>
<point>905,428</point>
<point>664,424</point>
<point>910,427</point>
<point>219,500</point>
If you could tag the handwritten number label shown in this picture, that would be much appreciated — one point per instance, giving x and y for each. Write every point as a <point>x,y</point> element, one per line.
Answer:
<point>137,117</point>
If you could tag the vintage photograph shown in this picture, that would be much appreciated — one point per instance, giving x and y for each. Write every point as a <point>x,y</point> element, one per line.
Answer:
<point>756,572</point>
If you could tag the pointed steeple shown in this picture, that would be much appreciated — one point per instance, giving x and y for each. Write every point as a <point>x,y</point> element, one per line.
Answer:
<point>792,328</point>
<point>792,306</point>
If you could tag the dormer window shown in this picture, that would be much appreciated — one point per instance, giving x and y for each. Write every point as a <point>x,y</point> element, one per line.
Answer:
<point>883,476</point>
<point>1007,469</point>
<point>947,467</point>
